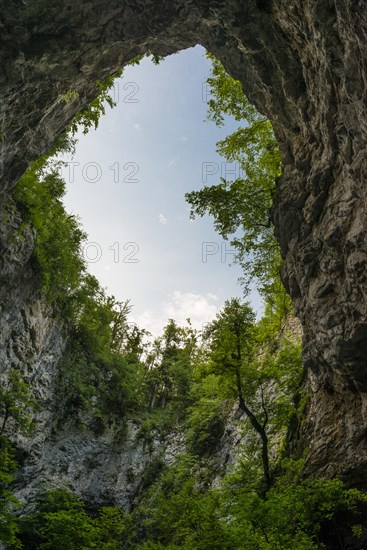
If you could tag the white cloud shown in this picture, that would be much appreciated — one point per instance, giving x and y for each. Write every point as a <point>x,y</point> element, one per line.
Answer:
<point>150,322</point>
<point>199,308</point>
<point>162,219</point>
<point>137,127</point>
<point>184,138</point>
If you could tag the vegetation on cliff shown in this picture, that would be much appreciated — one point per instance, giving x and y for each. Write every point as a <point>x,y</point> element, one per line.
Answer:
<point>241,207</point>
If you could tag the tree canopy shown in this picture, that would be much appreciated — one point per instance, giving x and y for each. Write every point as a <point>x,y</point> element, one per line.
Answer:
<point>241,208</point>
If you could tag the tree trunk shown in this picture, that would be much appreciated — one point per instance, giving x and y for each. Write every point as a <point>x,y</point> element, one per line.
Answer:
<point>5,419</point>
<point>241,400</point>
<point>264,443</point>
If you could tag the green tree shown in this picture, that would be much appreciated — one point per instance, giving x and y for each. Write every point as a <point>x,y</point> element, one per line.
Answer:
<point>17,404</point>
<point>114,529</point>
<point>295,514</point>
<point>59,238</point>
<point>242,207</point>
<point>89,116</point>
<point>8,502</point>
<point>91,113</point>
<point>102,367</point>
<point>205,420</point>
<point>169,366</point>
<point>61,521</point>
<point>17,407</point>
<point>232,352</point>
<point>260,364</point>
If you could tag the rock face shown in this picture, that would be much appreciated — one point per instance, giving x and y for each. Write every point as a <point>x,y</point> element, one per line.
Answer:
<point>31,340</point>
<point>102,470</point>
<point>303,63</point>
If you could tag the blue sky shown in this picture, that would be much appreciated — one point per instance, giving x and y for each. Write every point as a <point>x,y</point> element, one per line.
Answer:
<point>127,182</point>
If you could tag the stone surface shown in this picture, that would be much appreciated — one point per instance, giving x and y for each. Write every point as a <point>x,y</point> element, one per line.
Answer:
<point>303,63</point>
<point>102,470</point>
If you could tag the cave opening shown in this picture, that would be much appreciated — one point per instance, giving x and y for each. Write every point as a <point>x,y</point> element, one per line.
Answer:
<point>126,182</point>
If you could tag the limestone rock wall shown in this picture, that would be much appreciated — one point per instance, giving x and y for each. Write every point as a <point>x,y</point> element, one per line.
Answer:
<point>303,63</point>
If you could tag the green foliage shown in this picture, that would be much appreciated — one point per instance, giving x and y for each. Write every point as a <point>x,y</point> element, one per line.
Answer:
<point>17,408</point>
<point>295,514</point>
<point>70,96</point>
<point>101,370</point>
<point>17,404</point>
<point>61,521</point>
<point>152,470</point>
<point>114,529</point>
<point>59,239</point>
<point>67,529</point>
<point>242,207</point>
<point>188,520</point>
<point>169,367</point>
<point>157,546</point>
<point>231,339</point>
<point>259,366</point>
<point>90,115</point>
<point>206,417</point>
<point>278,311</point>
<point>8,503</point>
